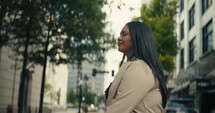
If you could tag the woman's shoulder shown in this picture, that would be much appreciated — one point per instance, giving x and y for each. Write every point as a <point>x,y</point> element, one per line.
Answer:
<point>140,72</point>
<point>139,68</point>
<point>139,64</point>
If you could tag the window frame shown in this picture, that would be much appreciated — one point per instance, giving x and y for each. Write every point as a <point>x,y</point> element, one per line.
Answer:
<point>192,16</point>
<point>206,4</point>
<point>192,49</point>
<point>206,46</point>
<point>182,58</point>
<point>181,5</point>
<point>182,30</point>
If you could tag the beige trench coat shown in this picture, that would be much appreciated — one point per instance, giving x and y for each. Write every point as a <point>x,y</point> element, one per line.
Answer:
<point>134,90</point>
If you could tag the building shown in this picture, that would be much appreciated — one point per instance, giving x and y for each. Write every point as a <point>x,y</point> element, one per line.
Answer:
<point>56,78</point>
<point>195,61</point>
<point>95,83</point>
<point>10,70</point>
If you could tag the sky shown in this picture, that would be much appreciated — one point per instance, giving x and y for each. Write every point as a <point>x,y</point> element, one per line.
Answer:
<point>118,18</point>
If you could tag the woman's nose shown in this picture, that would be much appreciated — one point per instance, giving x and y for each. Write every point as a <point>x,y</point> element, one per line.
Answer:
<point>119,38</point>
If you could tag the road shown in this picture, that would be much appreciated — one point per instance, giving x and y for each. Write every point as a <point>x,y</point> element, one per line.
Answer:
<point>74,110</point>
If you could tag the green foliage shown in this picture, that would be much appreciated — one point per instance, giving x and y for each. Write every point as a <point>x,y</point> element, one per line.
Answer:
<point>88,95</point>
<point>91,98</point>
<point>76,29</point>
<point>101,98</point>
<point>48,87</point>
<point>71,97</point>
<point>49,92</point>
<point>84,24</point>
<point>160,16</point>
<point>167,62</point>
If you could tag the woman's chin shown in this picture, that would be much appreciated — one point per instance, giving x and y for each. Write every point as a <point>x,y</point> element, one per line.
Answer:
<point>120,50</point>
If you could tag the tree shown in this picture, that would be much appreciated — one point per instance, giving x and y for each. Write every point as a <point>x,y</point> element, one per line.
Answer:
<point>7,9</point>
<point>88,95</point>
<point>91,98</point>
<point>160,16</point>
<point>75,29</point>
<point>101,98</point>
<point>71,97</point>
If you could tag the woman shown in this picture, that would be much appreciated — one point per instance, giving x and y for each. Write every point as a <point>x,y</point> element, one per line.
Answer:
<point>139,86</point>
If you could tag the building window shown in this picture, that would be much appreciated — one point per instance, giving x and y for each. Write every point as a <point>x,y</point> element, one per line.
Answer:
<point>192,16</point>
<point>0,53</point>
<point>206,4</point>
<point>207,37</point>
<point>192,50</point>
<point>182,30</point>
<point>182,59</point>
<point>181,5</point>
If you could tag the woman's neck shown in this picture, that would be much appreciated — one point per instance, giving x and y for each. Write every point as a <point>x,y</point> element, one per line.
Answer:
<point>131,58</point>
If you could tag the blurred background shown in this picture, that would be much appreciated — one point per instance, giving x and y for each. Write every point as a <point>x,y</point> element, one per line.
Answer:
<point>59,56</point>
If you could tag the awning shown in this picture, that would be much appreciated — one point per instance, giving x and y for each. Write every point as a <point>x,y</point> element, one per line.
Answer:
<point>193,88</point>
<point>180,87</point>
<point>211,74</point>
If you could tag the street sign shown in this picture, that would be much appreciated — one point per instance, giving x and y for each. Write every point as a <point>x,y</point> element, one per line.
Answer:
<point>203,84</point>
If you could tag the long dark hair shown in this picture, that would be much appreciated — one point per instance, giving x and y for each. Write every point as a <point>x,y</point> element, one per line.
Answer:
<point>144,48</point>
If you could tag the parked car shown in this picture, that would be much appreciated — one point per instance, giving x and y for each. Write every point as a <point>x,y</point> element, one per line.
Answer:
<point>174,107</point>
<point>180,106</point>
<point>91,108</point>
<point>101,106</point>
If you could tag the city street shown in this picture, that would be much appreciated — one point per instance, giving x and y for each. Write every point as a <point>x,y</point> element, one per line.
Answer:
<point>61,56</point>
<point>74,110</point>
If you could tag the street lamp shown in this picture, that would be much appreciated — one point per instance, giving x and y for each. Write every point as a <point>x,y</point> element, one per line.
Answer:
<point>86,79</point>
<point>80,83</point>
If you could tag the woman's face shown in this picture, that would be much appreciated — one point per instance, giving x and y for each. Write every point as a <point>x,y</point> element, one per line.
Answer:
<point>125,41</point>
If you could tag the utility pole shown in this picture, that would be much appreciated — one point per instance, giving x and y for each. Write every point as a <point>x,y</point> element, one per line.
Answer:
<point>86,79</point>
<point>80,85</point>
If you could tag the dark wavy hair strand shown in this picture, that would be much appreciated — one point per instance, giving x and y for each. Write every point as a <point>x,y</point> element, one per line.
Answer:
<point>144,48</point>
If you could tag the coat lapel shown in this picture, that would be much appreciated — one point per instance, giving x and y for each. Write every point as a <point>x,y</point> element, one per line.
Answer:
<point>116,82</point>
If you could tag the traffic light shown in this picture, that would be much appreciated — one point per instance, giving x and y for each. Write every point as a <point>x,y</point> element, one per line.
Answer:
<point>112,73</point>
<point>94,72</point>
